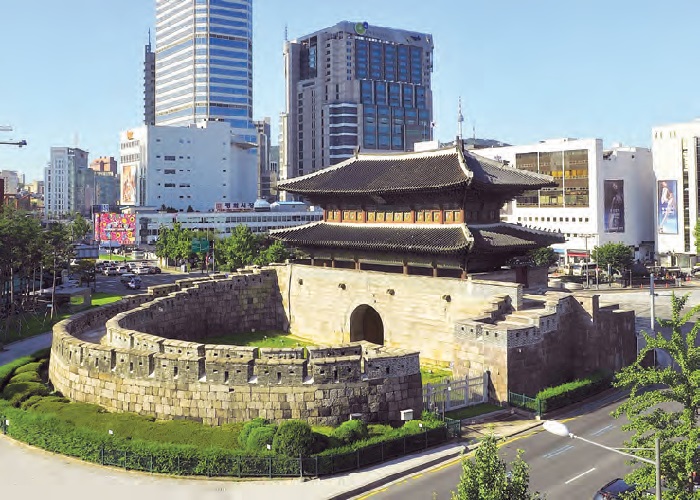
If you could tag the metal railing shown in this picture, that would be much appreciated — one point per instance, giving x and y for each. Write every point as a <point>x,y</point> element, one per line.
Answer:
<point>525,402</point>
<point>224,464</point>
<point>455,394</point>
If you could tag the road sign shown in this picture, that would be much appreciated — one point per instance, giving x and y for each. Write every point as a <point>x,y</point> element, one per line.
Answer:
<point>200,245</point>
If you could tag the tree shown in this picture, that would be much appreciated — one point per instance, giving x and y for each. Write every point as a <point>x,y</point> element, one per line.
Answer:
<point>276,252</point>
<point>190,209</point>
<point>618,255</point>
<point>238,250</point>
<point>543,256</point>
<point>79,227</point>
<point>486,478</point>
<point>174,243</point>
<point>664,402</point>
<point>696,234</point>
<point>57,252</point>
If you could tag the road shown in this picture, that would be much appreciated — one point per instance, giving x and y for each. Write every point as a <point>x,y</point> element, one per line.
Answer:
<point>559,467</point>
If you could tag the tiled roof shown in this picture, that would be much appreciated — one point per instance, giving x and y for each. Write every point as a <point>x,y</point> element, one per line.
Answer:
<point>405,172</point>
<point>502,236</point>
<point>417,238</point>
<point>432,239</point>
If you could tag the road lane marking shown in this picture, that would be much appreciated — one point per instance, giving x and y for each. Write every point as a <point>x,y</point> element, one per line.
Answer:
<point>603,430</point>
<point>558,451</point>
<point>579,476</point>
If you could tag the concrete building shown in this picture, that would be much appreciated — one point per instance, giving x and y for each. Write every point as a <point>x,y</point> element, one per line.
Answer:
<point>104,164</point>
<point>69,183</point>
<point>267,172</point>
<point>597,199</point>
<point>36,187</point>
<point>149,84</point>
<point>204,63</point>
<point>260,219</point>
<point>273,173</point>
<point>353,85</point>
<point>12,181</point>
<point>179,167</point>
<point>676,192</point>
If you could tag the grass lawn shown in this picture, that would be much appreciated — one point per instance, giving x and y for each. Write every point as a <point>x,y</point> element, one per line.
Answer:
<point>101,299</point>
<point>434,375</point>
<point>472,411</point>
<point>260,339</point>
<point>114,257</point>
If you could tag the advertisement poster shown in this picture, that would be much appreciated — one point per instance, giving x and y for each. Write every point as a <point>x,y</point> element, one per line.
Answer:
<point>667,209</point>
<point>614,205</point>
<point>115,229</point>
<point>129,184</point>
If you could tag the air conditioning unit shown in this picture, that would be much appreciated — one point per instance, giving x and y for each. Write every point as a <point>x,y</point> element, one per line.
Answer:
<point>406,415</point>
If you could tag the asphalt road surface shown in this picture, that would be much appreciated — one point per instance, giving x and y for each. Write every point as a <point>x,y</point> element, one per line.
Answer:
<point>562,468</point>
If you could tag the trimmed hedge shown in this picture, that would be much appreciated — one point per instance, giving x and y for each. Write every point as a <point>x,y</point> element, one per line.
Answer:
<point>8,370</point>
<point>293,438</point>
<point>562,395</point>
<point>260,437</point>
<point>351,431</point>
<point>248,428</point>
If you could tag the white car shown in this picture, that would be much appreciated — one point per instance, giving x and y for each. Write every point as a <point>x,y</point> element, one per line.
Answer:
<point>142,270</point>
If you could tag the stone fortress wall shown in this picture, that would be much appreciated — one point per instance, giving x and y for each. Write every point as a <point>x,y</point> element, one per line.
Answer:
<point>553,338</point>
<point>150,362</point>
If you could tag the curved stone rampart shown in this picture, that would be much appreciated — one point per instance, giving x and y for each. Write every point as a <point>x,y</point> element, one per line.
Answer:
<point>151,360</point>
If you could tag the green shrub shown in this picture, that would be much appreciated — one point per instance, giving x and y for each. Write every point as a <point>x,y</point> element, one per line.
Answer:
<point>31,367</point>
<point>31,376</point>
<point>293,438</point>
<point>6,371</point>
<point>562,395</point>
<point>351,431</point>
<point>17,392</point>
<point>322,442</point>
<point>260,437</point>
<point>41,354</point>
<point>247,429</point>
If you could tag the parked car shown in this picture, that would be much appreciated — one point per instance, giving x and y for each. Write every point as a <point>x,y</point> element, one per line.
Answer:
<point>612,490</point>
<point>154,270</point>
<point>142,270</point>
<point>122,270</point>
<point>110,271</point>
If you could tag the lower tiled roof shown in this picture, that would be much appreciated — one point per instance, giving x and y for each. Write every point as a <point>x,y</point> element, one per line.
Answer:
<point>503,236</point>
<point>432,239</point>
<point>417,238</point>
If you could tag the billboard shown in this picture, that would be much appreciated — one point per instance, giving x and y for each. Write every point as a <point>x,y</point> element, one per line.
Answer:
<point>614,206</point>
<point>667,208</point>
<point>129,184</point>
<point>113,229</point>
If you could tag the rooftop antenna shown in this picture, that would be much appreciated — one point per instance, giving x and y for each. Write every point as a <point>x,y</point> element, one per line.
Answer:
<point>149,38</point>
<point>460,118</point>
<point>474,130</point>
<point>286,33</point>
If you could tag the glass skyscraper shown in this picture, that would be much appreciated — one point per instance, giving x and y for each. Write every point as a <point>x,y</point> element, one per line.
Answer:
<point>204,63</point>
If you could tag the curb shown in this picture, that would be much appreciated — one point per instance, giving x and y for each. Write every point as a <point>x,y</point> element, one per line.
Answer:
<point>420,468</point>
<point>346,495</point>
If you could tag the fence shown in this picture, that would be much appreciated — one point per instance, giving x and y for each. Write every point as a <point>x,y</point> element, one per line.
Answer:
<point>225,464</point>
<point>455,394</point>
<point>525,402</point>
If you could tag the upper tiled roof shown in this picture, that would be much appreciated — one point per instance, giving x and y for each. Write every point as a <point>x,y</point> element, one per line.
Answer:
<point>409,172</point>
<point>417,238</point>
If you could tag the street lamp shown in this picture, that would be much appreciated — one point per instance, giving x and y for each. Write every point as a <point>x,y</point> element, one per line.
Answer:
<point>560,429</point>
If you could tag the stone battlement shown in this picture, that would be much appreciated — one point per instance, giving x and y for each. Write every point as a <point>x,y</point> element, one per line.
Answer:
<point>154,360</point>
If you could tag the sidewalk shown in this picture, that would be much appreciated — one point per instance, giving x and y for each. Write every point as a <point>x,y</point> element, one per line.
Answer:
<point>25,347</point>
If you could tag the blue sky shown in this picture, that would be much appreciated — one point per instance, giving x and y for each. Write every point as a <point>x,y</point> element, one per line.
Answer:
<point>526,70</point>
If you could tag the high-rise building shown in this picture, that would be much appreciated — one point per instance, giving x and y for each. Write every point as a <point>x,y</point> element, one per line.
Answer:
<point>264,149</point>
<point>149,84</point>
<point>204,63</point>
<point>104,164</point>
<point>69,183</point>
<point>354,85</point>
<point>12,181</point>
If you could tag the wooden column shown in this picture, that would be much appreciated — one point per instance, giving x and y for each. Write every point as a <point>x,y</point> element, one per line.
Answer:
<point>333,262</point>
<point>405,267</point>
<point>358,265</point>
<point>435,270</point>
<point>313,261</point>
<point>464,274</point>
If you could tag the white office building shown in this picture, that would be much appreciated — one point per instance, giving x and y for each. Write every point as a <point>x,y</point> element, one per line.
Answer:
<point>602,194</point>
<point>676,153</point>
<point>181,167</point>
<point>261,217</point>
<point>68,182</point>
